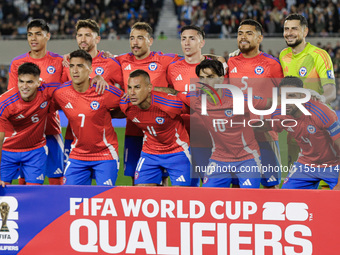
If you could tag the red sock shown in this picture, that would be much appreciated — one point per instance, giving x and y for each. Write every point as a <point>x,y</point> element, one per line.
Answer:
<point>55,181</point>
<point>21,181</point>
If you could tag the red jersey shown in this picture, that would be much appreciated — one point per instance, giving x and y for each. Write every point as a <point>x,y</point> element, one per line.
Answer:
<point>156,64</point>
<point>315,134</point>
<point>182,76</point>
<point>163,128</point>
<point>262,73</point>
<point>89,117</point>
<point>27,119</point>
<point>233,139</point>
<point>51,69</point>
<point>109,68</point>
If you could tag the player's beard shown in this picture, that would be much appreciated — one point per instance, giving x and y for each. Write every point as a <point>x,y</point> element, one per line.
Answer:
<point>87,49</point>
<point>296,43</point>
<point>249,49</point>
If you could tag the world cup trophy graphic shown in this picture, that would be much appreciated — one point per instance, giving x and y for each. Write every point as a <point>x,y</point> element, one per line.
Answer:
<point>4,210</point>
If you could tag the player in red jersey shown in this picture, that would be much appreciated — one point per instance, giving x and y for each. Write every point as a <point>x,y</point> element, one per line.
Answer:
<point>156,64</point>
<point>235,151</point>
<point>180,75</point>
<point>95,145</point>
<point>88,37</point>
<point>166,142</point>
<point>51,71</point>
<point>261,72</point>
<point>318,136</point>
<point>25,108</point>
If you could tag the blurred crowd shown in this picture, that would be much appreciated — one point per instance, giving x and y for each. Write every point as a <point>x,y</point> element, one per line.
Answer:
<point>115,17</point>
<point>221,18</point>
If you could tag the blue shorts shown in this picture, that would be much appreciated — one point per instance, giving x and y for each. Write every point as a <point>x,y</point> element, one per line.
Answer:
<point>31,163</point>
<point>79,172</point>
<point>220,174</point>
<point>200,158</point>
<point>67,150</point>
<point>54,163</point>
<point>133,147</point>
<point>150,168</point>
<point>302,176</point>
<point>271,161</point>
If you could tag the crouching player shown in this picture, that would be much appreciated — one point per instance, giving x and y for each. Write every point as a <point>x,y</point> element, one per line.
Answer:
<point>235,151</point>
<point>25,108</point>
<point>166,142</point>
<point>318,136</point>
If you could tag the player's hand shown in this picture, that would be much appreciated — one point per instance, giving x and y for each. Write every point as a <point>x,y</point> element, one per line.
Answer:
<point>125,97</point>
<point>101,84</point>
<point>316,96</point>
<point>66,58</point>
<point>234,53</point>
<point>2,184</point>
<point>107,54</point>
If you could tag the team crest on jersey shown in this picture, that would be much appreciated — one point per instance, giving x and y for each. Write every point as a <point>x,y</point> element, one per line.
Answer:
<point>153,66</point>
<point>51,69</point>
<point>99,71</point>
<point>94,105</point>
<point>303,71</point>
<point>43,105</point>
<point>311,129</point>
<point>259,70</point>
<point>160,120</point>
<point>229,112</point>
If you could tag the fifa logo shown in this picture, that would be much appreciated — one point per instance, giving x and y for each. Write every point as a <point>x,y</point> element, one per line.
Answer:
<point>9,216</point>
<point>4,210</point>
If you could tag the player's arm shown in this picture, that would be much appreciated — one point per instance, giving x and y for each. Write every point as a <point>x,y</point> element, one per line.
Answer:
<point>12,76</point>
<point>117,114</point>
<point>66,58</point>
<point>219,58</point>
<point>324,68</point>
<point>101,84</point>
<point>2,136</point>
<point>166,90</point>
<point>329,92</point>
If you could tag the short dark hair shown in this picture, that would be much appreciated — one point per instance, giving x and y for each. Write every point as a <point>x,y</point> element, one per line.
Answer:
<point>214,65</point>
<point>140,72</point>
<point>39,23</point>
<point>143,26</point>
<point>81,54</point>
<point>88,23</point>
<point>251,22</point>
<point>191,27</point>
<point>296,16</point>
<point>291,81</point>
<point>29,68</point>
